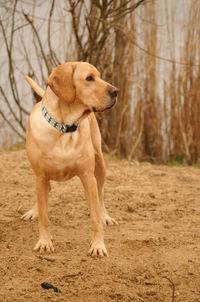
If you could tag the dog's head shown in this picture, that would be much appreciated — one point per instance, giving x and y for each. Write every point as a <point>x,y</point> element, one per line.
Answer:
<point>81,82</point>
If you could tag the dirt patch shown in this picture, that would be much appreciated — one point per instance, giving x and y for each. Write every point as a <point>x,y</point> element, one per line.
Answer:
<point>155,247</point>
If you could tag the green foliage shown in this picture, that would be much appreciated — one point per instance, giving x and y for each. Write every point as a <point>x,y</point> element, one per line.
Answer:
<point>177,161</point>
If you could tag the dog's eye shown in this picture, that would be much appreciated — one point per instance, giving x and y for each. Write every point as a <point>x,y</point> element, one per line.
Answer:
<point>90,78</point>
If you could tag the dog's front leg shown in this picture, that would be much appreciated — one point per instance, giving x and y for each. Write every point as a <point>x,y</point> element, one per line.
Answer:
<point>97,243</point>
<point>42,190</point>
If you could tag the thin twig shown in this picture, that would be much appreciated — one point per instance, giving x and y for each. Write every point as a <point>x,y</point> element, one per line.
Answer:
<point>39,42</point>
<point>75,27</point>
<point>11,126</point>
<point>52,53</point>
<point>11,109</point>
<point>45,258</point>
<point>173,288</point>
<point>139,134</point>
<point>73,275</point>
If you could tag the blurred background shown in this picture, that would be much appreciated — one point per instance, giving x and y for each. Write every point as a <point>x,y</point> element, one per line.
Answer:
<point>149,49</point>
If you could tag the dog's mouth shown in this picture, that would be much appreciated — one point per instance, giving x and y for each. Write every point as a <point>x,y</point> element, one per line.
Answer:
<point>104,109</point>
<point>86,112</point>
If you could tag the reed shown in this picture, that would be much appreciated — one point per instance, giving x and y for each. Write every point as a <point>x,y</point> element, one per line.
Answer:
<point>182,120</point>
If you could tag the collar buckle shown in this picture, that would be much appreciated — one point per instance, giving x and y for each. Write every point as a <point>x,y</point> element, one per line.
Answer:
<point>71,128</point>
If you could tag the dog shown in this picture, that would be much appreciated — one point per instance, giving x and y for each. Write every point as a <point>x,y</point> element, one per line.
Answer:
<point>63,140</point>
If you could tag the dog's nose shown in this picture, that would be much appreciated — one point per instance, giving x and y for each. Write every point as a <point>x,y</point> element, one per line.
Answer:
<point>113,92</point>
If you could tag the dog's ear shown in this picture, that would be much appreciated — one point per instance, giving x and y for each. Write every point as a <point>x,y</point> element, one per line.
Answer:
<point>61,82</point>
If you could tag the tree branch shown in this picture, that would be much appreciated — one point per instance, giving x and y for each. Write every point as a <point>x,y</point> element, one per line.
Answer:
<point>39,42</point>
<point>11,126</point>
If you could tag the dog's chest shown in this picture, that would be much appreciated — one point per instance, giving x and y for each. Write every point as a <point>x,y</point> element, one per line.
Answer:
<point>61,156</point>
<point>64,163</point>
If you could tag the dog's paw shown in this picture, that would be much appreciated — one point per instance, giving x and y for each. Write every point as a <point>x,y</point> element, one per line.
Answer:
<point>97,248</point>
<point>107,220</point>
<point>31,214</point>
<point>44,245</point>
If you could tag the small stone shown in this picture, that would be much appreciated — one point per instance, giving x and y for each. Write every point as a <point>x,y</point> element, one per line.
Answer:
<point>130,209</point>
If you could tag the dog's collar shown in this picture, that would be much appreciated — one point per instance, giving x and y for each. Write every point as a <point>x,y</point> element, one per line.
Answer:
<point>60,127</point>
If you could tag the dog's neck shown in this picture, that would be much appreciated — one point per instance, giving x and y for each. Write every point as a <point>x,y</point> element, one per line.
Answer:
<point>62,111</point>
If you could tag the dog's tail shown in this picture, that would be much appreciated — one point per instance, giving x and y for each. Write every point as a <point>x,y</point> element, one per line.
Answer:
<point>34,86</point>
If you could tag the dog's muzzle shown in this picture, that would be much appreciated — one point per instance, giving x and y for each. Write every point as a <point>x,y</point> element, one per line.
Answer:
<point>106,108</point>
<point>112,92</point>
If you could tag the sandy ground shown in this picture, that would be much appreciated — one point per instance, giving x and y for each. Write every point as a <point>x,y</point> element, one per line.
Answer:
<point>154,250</point>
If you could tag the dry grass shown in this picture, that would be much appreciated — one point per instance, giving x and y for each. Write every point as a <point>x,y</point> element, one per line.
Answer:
<point>182,107</point>
<point>149,124</point>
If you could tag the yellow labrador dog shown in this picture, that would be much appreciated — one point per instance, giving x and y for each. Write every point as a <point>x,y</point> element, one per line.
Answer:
<point>63,140</point>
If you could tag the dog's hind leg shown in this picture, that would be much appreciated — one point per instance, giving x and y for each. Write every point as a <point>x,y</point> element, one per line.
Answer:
<point>100,174</point>
<point>32,214</point>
